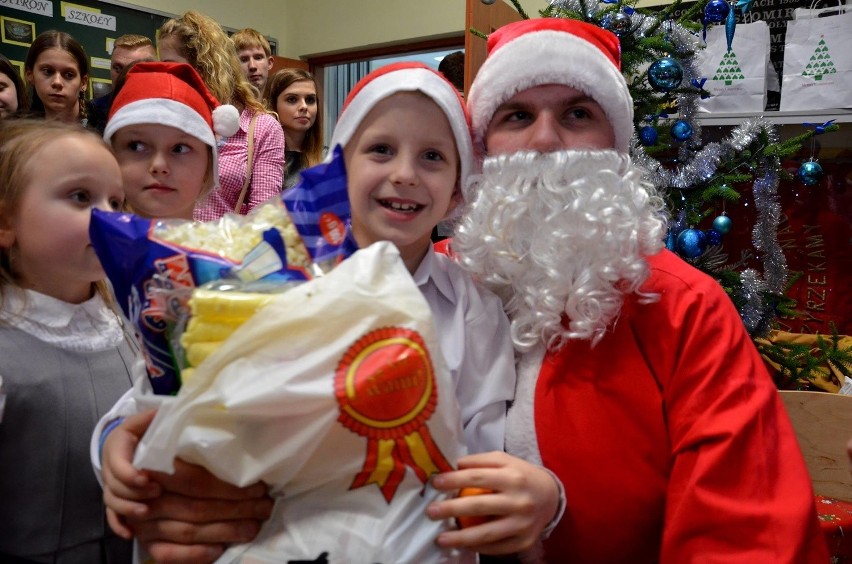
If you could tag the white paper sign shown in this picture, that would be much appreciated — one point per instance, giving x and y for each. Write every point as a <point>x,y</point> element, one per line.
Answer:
<point>41,7</point>
<point>91,17</point>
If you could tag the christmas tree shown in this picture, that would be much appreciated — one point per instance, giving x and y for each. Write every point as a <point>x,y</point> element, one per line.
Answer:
<point>820,62</point>
<point>729,69</point>
<point>698,179</point>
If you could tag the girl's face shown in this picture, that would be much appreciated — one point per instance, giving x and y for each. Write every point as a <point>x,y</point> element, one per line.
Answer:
<point>49,233</point>
<point>169,48</point>
<point>402,166</point>
<point>8,97</point>
<point>297,106</point>
<point>57,81</point>
<point>163,169</point>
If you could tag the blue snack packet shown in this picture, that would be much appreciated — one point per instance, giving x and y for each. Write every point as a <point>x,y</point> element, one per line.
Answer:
<point>154,265</point>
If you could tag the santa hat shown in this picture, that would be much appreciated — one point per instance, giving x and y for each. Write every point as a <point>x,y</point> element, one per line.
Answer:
<point>407,77</point>
<point>542,51</point>
<point>171,94</point>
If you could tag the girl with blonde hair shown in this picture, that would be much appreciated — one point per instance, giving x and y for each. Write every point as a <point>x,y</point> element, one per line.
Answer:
<point>199,41</point>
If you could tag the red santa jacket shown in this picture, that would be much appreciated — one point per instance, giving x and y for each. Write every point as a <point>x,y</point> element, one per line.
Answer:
<point>671,440</point>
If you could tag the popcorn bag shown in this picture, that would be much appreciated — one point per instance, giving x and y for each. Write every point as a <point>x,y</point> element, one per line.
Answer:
<point>154,265</point>
<point>335,394</point>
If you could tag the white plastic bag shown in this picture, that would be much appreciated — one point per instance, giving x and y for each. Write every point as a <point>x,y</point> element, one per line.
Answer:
<point>736,80</point>
<point>335,395</point>
<point>817,64</point>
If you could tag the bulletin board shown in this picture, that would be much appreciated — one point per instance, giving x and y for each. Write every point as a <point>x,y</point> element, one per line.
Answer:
<point>94,24</point>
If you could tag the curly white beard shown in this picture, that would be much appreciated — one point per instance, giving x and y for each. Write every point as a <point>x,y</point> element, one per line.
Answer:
<point>560,236</point>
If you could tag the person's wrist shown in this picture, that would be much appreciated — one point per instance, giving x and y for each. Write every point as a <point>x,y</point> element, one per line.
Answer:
<point>108,428</point>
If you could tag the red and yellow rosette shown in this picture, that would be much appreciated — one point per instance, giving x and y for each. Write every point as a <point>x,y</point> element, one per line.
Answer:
<point>385,388</point>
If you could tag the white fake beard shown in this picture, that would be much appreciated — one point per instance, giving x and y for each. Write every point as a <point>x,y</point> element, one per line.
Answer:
<point>560,236</point>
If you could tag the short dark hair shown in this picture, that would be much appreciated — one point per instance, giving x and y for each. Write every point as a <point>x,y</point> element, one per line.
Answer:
<point>452,67</point>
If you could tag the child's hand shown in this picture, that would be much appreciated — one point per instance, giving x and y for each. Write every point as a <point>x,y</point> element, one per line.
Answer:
<point>524,501</point>
<point>188,516</point>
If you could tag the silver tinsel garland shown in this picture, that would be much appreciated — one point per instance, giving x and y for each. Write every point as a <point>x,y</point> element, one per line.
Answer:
<point>700,163</point>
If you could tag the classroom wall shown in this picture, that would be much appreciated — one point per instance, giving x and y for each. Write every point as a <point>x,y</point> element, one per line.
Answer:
<point>312,27</point>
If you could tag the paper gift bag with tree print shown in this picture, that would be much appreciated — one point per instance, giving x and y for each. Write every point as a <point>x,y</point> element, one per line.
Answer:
<point>818,64</point>
<point>736,79</point>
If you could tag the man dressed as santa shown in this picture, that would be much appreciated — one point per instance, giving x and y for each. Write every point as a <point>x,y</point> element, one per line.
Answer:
<point>639,387</point>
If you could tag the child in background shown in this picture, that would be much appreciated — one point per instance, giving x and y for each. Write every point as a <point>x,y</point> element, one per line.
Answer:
<point>294,96</point>
<point>64,357</point>
<point>163,125</point>
<point>199,41</point>
<point>57,68</point>
<point>407,149</point>
<point>13,95</point>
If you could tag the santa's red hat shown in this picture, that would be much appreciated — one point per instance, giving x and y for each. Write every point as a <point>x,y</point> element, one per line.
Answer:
<point>542,51</point>
<point>407,77</point>
<point>171,94</point>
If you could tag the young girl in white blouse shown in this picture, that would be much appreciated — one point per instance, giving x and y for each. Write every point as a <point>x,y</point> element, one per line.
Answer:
<point>64,357</point>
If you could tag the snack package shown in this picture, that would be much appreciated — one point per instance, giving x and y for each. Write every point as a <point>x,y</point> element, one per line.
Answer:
<point>154,265</point>
<point>335,394</point>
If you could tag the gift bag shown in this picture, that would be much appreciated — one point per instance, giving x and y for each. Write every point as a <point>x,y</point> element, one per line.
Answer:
<point>817,64</point>
<point>736,79</point>
<point>335,394</point>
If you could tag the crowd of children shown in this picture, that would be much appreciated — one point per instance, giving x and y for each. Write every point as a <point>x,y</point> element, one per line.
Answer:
<point>189,138</point>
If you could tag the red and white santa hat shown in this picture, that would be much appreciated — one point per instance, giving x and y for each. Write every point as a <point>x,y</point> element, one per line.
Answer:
<point>172,94</point>
<point>542,51</point>
<point>407,77</point>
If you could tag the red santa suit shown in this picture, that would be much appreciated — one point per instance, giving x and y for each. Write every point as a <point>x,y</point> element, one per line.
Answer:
<point>668,450</point>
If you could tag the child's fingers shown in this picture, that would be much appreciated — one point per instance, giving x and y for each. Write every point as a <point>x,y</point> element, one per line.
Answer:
<point>118,471</point>
<point>500,536</point>
<point>124,507</point>
<point>164,533</point>
<point>116,523</point>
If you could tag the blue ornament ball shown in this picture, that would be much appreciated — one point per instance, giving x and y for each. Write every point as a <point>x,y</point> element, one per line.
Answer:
<point>681,130</point>
<point>664,75</point>
<point>810,173</point>
<point>648,135</point>
<point>714,238</point>
<point>716,11</point>
<point>691,242</point>
<point>723,224</point>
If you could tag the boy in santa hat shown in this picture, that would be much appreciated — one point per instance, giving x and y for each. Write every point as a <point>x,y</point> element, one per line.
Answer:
<point>637,382</point>
<point>406,142</point>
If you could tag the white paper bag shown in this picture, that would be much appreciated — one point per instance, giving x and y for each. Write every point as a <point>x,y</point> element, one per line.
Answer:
<point>335,395</point>
<point>737,79</point>
<point>817,64</point>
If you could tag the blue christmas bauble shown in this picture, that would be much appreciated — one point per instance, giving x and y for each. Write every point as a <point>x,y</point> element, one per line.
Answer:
<point>691,242</point>
<point>714,238</point>
<point>723,224</point>
<point>810,173</point>
<point>681,130</point>
<point>716,11</point>
<point>664,75</point>
<point>648,135</point>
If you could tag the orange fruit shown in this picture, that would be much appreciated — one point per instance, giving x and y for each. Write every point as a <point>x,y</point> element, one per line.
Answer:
<point>473,520</point>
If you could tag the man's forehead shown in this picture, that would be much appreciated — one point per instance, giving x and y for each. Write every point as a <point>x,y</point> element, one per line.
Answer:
<point>250,51</point>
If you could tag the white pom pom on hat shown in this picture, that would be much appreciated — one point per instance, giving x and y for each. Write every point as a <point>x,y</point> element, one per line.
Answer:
<point>171,94</point>
<point>539,51</point>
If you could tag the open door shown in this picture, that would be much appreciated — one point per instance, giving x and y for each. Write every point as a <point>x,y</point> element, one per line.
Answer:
<point>484,18</point>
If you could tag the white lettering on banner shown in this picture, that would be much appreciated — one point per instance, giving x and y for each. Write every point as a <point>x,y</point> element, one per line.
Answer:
<point>41,7</point>
<point>100,63</point>
<point>90,19</point>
